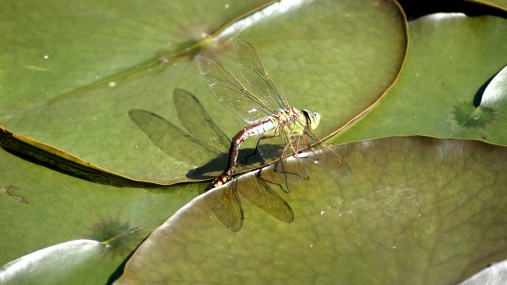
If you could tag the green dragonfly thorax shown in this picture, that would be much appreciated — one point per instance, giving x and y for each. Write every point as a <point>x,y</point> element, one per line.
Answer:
<point>289,121</point>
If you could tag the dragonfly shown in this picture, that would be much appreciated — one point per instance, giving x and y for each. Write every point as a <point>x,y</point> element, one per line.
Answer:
<point>206,141</point>
<point>272,118</point>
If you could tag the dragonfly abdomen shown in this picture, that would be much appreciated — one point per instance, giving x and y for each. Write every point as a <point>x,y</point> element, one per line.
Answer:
<point>267,127</point>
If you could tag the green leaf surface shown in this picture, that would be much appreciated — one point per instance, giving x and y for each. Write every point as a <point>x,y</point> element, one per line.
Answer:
<point>106,62</point>
<point>416,210</point>
<point>55,49</point>
<point>444,89</point>
<point>66,229</point>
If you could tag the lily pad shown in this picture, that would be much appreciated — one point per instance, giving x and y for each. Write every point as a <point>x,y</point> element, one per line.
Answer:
<point>56,228</point>
<point>317,57</point>
<point>416,210</point>
<point>443,89</point>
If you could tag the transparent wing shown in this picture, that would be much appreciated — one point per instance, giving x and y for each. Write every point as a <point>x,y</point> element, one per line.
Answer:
<point>259,193</point>
<point>324,157</point>
<point>230,91</point>
<point>196,120</point>
<point>224,202</point>
<point>253,71</point>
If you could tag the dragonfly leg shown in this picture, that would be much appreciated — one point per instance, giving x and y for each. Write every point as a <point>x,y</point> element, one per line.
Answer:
<point>297,152</point>
<point>255,150</point>
<point>316,157</point>
<point>289,143</point>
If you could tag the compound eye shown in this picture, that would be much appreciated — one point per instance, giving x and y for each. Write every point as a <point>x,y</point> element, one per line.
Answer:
<point>317,116</point>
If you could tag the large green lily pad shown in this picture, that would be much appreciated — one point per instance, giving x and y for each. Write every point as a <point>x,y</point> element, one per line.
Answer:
<point>317,57</point>
<point>416,210</point>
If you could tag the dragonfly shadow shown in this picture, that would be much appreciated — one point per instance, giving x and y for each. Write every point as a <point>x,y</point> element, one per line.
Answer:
<point>215,166</point>
<point>206,158</point>
<point>177,143</point>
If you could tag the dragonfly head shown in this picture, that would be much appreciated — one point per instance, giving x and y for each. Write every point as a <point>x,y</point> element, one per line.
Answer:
<point>312,119</point>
